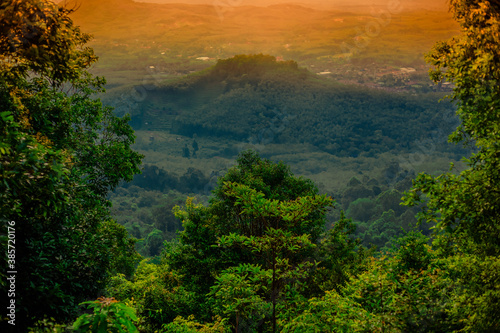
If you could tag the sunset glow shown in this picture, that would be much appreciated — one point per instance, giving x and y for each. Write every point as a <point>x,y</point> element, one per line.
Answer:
<point>317,34</point>
<point>271,166</point>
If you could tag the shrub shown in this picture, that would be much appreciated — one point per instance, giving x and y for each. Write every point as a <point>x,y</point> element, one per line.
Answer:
<point>109,316</point>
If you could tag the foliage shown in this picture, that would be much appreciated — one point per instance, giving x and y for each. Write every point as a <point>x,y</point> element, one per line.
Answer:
<point>330,313</point>
<point>61,151</point>
<point>48,325</point>
<point>361,209</point>
<point>412,252</point>
<point>270,235</point>
<point>239,295</point>
<point>189,325</point>
<point>203,225</point>
<point>39,36</point>
<point>253,65</point>
<point>275,182</point>
<point>156,293</point>
<point>109,316</point>
<point>466,207</point>
<point>154,178</point>
<point>147,216</point>
<point>414,301</point>
<point>121,247</point>
<point>385,297</point>
<point>154,242</point>
<point>261,222</point>
<point>340,256</point>
<point>256,258</point>
<point>477,297</point>
<point>256,99</point>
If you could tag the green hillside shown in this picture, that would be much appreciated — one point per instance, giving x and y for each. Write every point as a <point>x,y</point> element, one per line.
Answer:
<point>261,100</point>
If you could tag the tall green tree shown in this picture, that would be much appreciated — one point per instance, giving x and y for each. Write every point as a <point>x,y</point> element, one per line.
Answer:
<point>257,200</point>
<point>61,152</point>
<point>466,207</point>
<point>283,254</point>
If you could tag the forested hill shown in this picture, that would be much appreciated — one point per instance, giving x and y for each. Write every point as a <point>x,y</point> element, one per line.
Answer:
<point>256,98</point>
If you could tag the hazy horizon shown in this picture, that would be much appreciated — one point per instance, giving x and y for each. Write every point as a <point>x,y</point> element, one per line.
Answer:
<point>326,4</point>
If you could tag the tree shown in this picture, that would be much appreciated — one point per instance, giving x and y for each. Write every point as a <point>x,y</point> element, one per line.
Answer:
<point>239,296</point>
<point>276,182</point>
<point>61,152</point>
<point>283,254</point>
<point>259,214</point>
<point>185,151</point>
<point>410,291</point>
<point>466,207</point>
<point>195,147</point>
<point>189,325</point>
<point>340,257</point>
<point>109,316</point>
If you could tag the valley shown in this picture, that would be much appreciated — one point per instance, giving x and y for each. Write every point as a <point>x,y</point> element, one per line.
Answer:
<point>337,92</point>
<point>250,166</point>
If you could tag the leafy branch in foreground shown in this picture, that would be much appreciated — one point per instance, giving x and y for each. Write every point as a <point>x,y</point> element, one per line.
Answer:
<point>109,316</point>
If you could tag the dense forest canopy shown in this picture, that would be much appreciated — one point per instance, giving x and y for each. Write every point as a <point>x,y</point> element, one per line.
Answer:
<point>268,251</point>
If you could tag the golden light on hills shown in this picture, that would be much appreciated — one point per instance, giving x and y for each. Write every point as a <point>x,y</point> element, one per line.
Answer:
<point>283,30</point>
